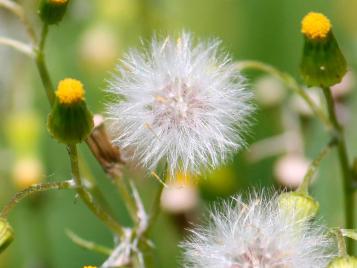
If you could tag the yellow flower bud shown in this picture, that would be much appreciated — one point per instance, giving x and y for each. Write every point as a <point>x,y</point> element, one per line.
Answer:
<point>52,11</point>
<point>322,63</point>
<point>70,121</point>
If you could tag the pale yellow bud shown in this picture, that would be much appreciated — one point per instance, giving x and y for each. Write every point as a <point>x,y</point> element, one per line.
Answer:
<point>300,206</point>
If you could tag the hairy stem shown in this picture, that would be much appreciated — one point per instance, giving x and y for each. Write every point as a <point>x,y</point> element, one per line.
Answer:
<point>87,197</point>
<point>18,197</point>
<point>348,183</point>
<point>291,84</point>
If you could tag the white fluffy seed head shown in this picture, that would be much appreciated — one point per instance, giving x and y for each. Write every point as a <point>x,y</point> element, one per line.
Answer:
<point>180,102</point>
<point>255,234</point>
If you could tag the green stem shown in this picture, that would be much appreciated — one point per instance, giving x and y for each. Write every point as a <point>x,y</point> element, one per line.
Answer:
<point>87,197</point>
<point>291,84</point>
<point>88,245</point>
<point>304,187</point>
<point>18,197</point>
<point>156,207</point>
<point>348,184</point>
<point>341,243</point>
<point>42,68</point>
<point>127,197</point>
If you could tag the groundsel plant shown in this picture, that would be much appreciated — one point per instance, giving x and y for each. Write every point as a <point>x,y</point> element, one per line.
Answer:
<point>256,234</point>
<point>181,102</point>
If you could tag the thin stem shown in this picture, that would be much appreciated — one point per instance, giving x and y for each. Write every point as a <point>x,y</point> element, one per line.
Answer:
<point>42,68</point>
<point>19,46</point>
<point>20,13</point>
<point>18,197</point>
<point>348,184</point>
<point>44,34</point>
<point>156,207</point>
<point>304,187</point>
<point>88,245</point>
<point>87,197</point>
<point>341,243</point>
<point>127,197</point>
<point>291,84</point>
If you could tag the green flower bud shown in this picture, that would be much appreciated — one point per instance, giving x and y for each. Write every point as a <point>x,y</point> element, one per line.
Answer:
<point>343,262</point>
<point>6,234</point>
<point>70,121</point>
<point>323,63</point>
<point>52,11</point>
<point>301,206</point>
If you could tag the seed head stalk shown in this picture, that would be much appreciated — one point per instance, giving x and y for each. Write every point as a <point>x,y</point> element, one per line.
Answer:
<point>348,183</point>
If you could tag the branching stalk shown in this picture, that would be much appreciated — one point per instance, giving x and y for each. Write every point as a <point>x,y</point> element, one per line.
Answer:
<point>304,187</point>
<point>37,188</point>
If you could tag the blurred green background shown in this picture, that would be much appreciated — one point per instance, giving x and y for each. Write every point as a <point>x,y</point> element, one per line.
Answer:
<point>88,44</point>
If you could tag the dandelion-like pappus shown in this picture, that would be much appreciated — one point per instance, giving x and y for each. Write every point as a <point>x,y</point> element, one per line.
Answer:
<point>256,234</point>
<point>180,102</point>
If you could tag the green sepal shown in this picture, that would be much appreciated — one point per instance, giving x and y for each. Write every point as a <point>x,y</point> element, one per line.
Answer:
<point>323,63</point>
<point>52,13</point>
<point>6,234</point>
<point>343,262</point>
<point>70,124</point>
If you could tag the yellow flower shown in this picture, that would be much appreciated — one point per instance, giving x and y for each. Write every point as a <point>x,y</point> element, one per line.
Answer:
<point>89,266</point>
<point>70,91</point>
<point>315,25</point>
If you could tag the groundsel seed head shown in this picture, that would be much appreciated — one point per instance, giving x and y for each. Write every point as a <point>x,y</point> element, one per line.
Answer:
<point>256,234</point>
<point>181,102</point>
